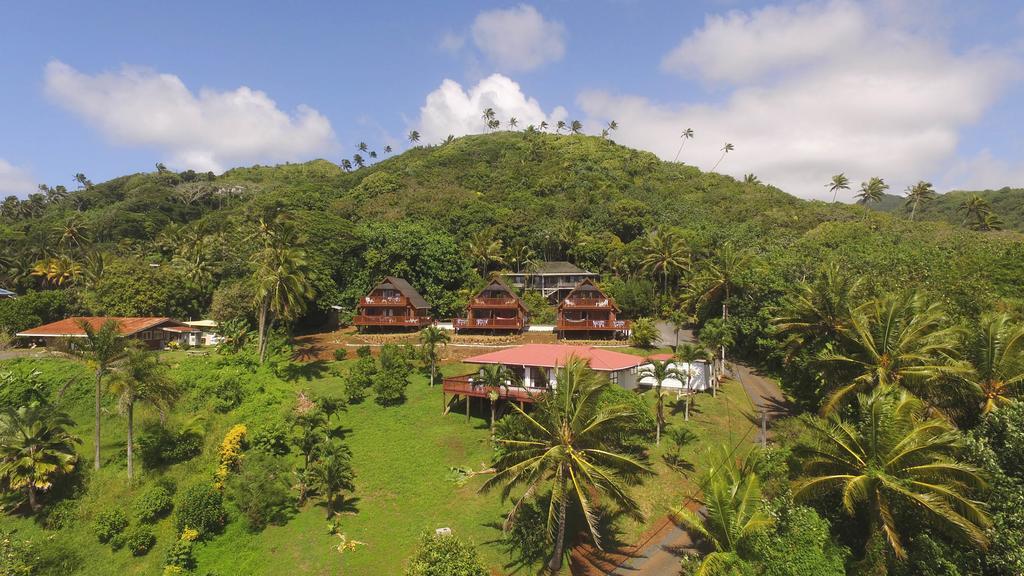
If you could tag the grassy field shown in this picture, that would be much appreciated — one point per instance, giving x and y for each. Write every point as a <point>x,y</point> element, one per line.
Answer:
<point>403,457</point>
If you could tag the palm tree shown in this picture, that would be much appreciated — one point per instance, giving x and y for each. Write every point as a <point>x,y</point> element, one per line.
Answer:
<point>373,154</point>
<point>431,337</point>
<point>387,149</point>
<point>363,147</point>
<point>495,377</point>
<point>751,179</point>
<point>725,150</point>
<point>896,341</point>
<point>686,135</point>
<point>838,182</point>
<point>143,378</point>
<point>576,127</point>
<point>449,139</point>
<point>519,255</point>
<point>918,193</point>
<point>35,447</point>
<point>559,126</point>
<point>871,192</point>
<point>975,206</point>
<point>414,136</point>
<point>512,122</point>
<point>488,115</point>
<point>613,126</point>
<point>543,125</point>
<point>732,500</point>
<point>346,164</point>
<point>568,442</point>
<point>893,456</point>
<point>72,234</point>
<point>818,313</point>
<point>665,254</point>
<point>988,222</point>
<point>660,371</point>
<point>102,349</point>
<point>718,276</point>
<point>679,319</point>
<point>994,351</point>
<point>331,472</point>
<point>689,354</point>
<point>282,288</point>
<point>358,160</point>
<point>484,249</point>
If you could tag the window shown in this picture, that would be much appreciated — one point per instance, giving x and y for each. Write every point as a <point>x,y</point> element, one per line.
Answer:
<point>614,377</point>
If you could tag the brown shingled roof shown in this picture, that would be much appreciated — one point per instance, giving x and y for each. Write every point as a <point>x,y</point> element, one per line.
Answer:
<point>71,327</point>
<point>407,290</point>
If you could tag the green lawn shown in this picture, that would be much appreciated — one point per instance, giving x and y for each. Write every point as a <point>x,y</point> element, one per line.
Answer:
<point>402,456</point>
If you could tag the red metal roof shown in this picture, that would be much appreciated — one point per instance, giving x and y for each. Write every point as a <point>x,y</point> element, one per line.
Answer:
<point>661,357</point>
<point>556,355</point>
<point>71,327</point>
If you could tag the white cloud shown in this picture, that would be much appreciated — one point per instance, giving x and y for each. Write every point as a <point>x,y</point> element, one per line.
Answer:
<point>452,110</point>
<point>15,180</point>
<point>983,171</point>
<point>880,101</point>
<point>518,39</point>
<point>451,43</point>
<point>210,130</point>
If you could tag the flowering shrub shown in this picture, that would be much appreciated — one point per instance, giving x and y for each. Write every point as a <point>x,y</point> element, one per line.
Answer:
<point>230,453</point>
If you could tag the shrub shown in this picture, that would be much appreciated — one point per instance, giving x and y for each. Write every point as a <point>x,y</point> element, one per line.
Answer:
<point>364,352</point>
<point>261,490</point>
<point>340,354</point>
<point>201,508</point>
<point>270,438</point>
<point>167,483</point>
<point>644,333</point>
<point>60,515</point>
<point>445,555</point>
<point>230,451</point>
<point>18,557</point>
<point>139,540</point>
<point>109,524</point>
<point>389,387</point>
<point>179,556</point>
<point>160,446</point>
<point>153,504</point>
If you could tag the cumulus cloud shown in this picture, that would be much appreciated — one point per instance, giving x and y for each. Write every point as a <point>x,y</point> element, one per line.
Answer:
<point>14,180</point>
<point>875,100</point>
<point>208,130</point>
<point>518,39</point>
<point>453,110</point>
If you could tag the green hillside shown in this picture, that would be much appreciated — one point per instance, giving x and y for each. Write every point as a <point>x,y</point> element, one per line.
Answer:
<point>1007,203</point>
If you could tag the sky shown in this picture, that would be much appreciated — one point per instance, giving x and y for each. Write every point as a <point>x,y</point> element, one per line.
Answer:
<point>906,90</point>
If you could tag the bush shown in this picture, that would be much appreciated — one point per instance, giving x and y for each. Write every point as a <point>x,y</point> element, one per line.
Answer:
<point>153,504</point>
<point>360,377</point>
<point>644,333</point>
<point>180,556</point>
<point>340,354</point>
<point>261,490</point>
<point>389,387</point>
<point>139,540</point>
<point>109,524</point>
<point>271,438</point>
<point>18,557</point>
<point>364,352</point>
<point>60,515</point>
<point>445,555</point>
<point>201,508</point>
<point>160,446</point>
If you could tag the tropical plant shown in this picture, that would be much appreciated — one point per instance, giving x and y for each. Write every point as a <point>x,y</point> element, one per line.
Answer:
<point>485,250</point>
<point>686,135</point>
<point>567,443</point>
<point>414,136</point>
<point>445,555</point>
<point>495,377</point>
<point>576,127</point>
<point>838,182</point>
<point>818,312</point>
<point>35,447</point>
<point>644,333</point>
<point>559,126</point>
<point>431,338</point>
<point>513,122</point>
<point>660,371</point>
<point>717,277</point>
<point>102,349</point>
<point>897,340</point>
<point>726,148</point>
<point>282,289</point>
<point>751,179</point>
<point>690,354</point>
<point>141,378</point>
<point>919,193</point>
<point>331,473</point>
<point>732,499</point>
<point>871,192</point>
<point>994,353</point>
<point>893,456</point>
<point>665,254</point>
<point>519,255</point>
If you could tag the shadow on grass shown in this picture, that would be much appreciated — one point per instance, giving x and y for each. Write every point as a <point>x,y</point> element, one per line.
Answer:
<point>677,407</point>
<point>342,506</point>
<point>308,371</point>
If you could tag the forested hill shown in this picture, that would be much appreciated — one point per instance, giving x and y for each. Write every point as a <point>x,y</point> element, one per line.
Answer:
<point>1006,203</point>
<point>442,216</point>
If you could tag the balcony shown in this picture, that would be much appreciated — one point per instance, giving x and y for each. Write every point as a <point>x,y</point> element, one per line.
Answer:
<point>464,386</point>
<point>377,300</point>
<point>578,303</point>
<point>488,323</point>
<point>381,320</point>
<point>495,302</point>
<point>610,325</point>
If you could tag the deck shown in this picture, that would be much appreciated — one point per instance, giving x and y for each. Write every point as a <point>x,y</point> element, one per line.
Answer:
<point>597,325</point>
<point>395,301</point>
<point>488,323</point>
<point>463,386</point>
<point>494,303</point>
<point>591,303</point>
<point>404,321</point>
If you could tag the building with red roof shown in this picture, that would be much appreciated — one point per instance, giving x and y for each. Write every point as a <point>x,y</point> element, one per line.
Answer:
<point>153,332</point>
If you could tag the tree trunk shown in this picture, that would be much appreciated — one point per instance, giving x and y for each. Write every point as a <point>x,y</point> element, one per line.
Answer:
<point>261,328</point>
<point>686,406</point>
<point>493,405</point>
<point>32,503</point>
<point>661,418</point>
<point>433,370</point>
<point>555,564</point>
<point>96,428</point>
<point>131,439</point>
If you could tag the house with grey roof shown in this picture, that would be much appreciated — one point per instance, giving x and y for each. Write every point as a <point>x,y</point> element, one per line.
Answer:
<point>554,280</point>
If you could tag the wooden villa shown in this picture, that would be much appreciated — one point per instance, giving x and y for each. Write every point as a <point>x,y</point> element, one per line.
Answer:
<point>393,304</point>
<point>587,311</point>
<point>496,308</point>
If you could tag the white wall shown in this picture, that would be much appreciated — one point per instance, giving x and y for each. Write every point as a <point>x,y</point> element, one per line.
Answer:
<point>699,377</point>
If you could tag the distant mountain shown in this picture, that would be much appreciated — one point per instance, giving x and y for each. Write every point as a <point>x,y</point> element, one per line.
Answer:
<point>1007,203</point>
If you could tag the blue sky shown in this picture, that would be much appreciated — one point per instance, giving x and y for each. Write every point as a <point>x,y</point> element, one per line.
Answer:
<point>905,90</point>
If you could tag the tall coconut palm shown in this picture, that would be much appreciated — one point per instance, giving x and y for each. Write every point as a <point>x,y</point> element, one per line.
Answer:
<point>330,472</point>
<point>496,377</point>
<point>559,126</point>
<point>919,193</point>
<point>576,127</point>
<point>35,448</point>
<point>665,254</point>
<point>414,136</point>
<point>893,456</point>
<point>686,135</point>
<point>282,289</point>
<point>488,115</point>
<point>994,354</point>
<point>899,340</point>
<point>543,125</point>
<point>346,164</point>
<point>568,443</point>
<point>431,338</point>
<point>975,206</point>
<point>871,192</point>
<point>102,349</point>
<point>660,371</point>
<point>513,122</point>
<point>613,126</point>
<point>838,182</point>
<point>690,354</point>
<point>363,147</point>
<point>718,277</point>
<point>387,149</point>
<point>731,495</point>
<point>726,148</point>
<point>818,312</point>
<point>519,255</point>
<point>72,234</point>
<point>142,378</point>
<point>358,160</point>
<point>484,250</point>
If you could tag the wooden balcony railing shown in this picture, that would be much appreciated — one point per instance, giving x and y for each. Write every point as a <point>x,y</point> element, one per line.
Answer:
<point>587,303</point>
<point>495,302</point>
<point>372,300</point>
<point>465,386</point>
<point>488,323</point>
<point>365,320</point>
<point>592,324</point>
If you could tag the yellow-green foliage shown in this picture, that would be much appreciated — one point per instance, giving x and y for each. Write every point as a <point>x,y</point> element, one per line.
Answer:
<point>231,452</point>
